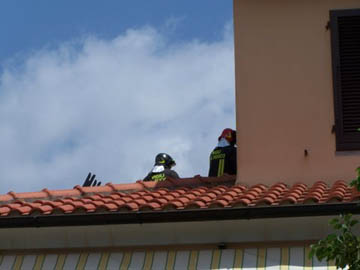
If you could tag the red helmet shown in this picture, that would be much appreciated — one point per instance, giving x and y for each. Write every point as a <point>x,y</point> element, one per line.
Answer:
<point>229,135</point>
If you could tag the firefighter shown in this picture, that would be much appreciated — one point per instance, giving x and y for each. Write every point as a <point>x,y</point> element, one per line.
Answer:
<point>162,169</point>
<point>223,157</point>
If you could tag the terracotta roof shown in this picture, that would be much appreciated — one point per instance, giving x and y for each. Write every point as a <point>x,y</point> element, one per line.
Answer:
<point>174,195</point>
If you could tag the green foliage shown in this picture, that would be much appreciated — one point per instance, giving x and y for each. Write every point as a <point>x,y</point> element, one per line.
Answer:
<point>342,246</point>
<point>356,182</point>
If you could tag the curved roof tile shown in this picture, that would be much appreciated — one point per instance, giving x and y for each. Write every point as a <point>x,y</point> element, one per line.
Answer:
<point>188,193</point>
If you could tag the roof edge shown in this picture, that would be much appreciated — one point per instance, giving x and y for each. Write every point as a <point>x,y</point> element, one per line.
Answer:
<point>109,188</point>
<point>180,215</point>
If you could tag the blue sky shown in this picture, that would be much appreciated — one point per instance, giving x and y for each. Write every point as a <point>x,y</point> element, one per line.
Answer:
<point>104,88</point>
<point>31,25</point>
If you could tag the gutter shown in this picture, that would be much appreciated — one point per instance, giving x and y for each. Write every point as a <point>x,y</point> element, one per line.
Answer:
<point>212,214</point>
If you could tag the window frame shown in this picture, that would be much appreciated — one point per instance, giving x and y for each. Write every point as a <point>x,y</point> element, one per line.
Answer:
<point>344,142</point>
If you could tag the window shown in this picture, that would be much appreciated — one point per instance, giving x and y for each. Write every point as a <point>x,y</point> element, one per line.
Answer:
<point>345,45</point>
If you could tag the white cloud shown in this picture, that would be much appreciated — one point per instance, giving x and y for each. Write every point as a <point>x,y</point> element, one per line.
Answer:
<point>109,106</point>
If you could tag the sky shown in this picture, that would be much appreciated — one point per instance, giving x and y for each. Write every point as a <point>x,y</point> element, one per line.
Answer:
<point>102,88</point>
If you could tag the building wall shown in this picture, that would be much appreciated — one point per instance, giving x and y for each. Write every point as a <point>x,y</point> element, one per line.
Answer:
<point>222,244</point>
<point>284,92</point>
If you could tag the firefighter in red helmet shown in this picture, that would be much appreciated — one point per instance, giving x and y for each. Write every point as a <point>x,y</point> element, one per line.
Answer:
<point>223,157</point>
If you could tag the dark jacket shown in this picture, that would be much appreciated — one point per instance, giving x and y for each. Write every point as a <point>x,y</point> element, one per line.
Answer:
<point>161,176</point>
<point>223,160</point>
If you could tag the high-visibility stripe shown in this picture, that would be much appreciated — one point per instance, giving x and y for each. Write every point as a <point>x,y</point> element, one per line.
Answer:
<point>307,261</point>
<point>82,261</point>
<point>193,260</point>
<point>222,166</point>
<point>103,261</point>
<point>284,264</point>
<point>126,260</point>
<point>170,260</point>
<point>238,259</point>
<point>39,262</point>
<point>18,262</point>
<point>215,260</point>
<point>219,168</point>
<point>261,258</point>
<point>60,262</point>
<point>148,260</point>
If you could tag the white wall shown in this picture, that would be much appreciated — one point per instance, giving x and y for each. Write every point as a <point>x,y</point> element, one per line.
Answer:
<point>231,231</point>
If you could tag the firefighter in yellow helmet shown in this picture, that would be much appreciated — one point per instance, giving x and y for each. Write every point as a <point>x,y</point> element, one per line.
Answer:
<point>223,157</point>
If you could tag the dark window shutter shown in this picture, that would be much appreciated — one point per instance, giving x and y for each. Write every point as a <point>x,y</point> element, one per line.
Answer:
<point>345,43</point>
